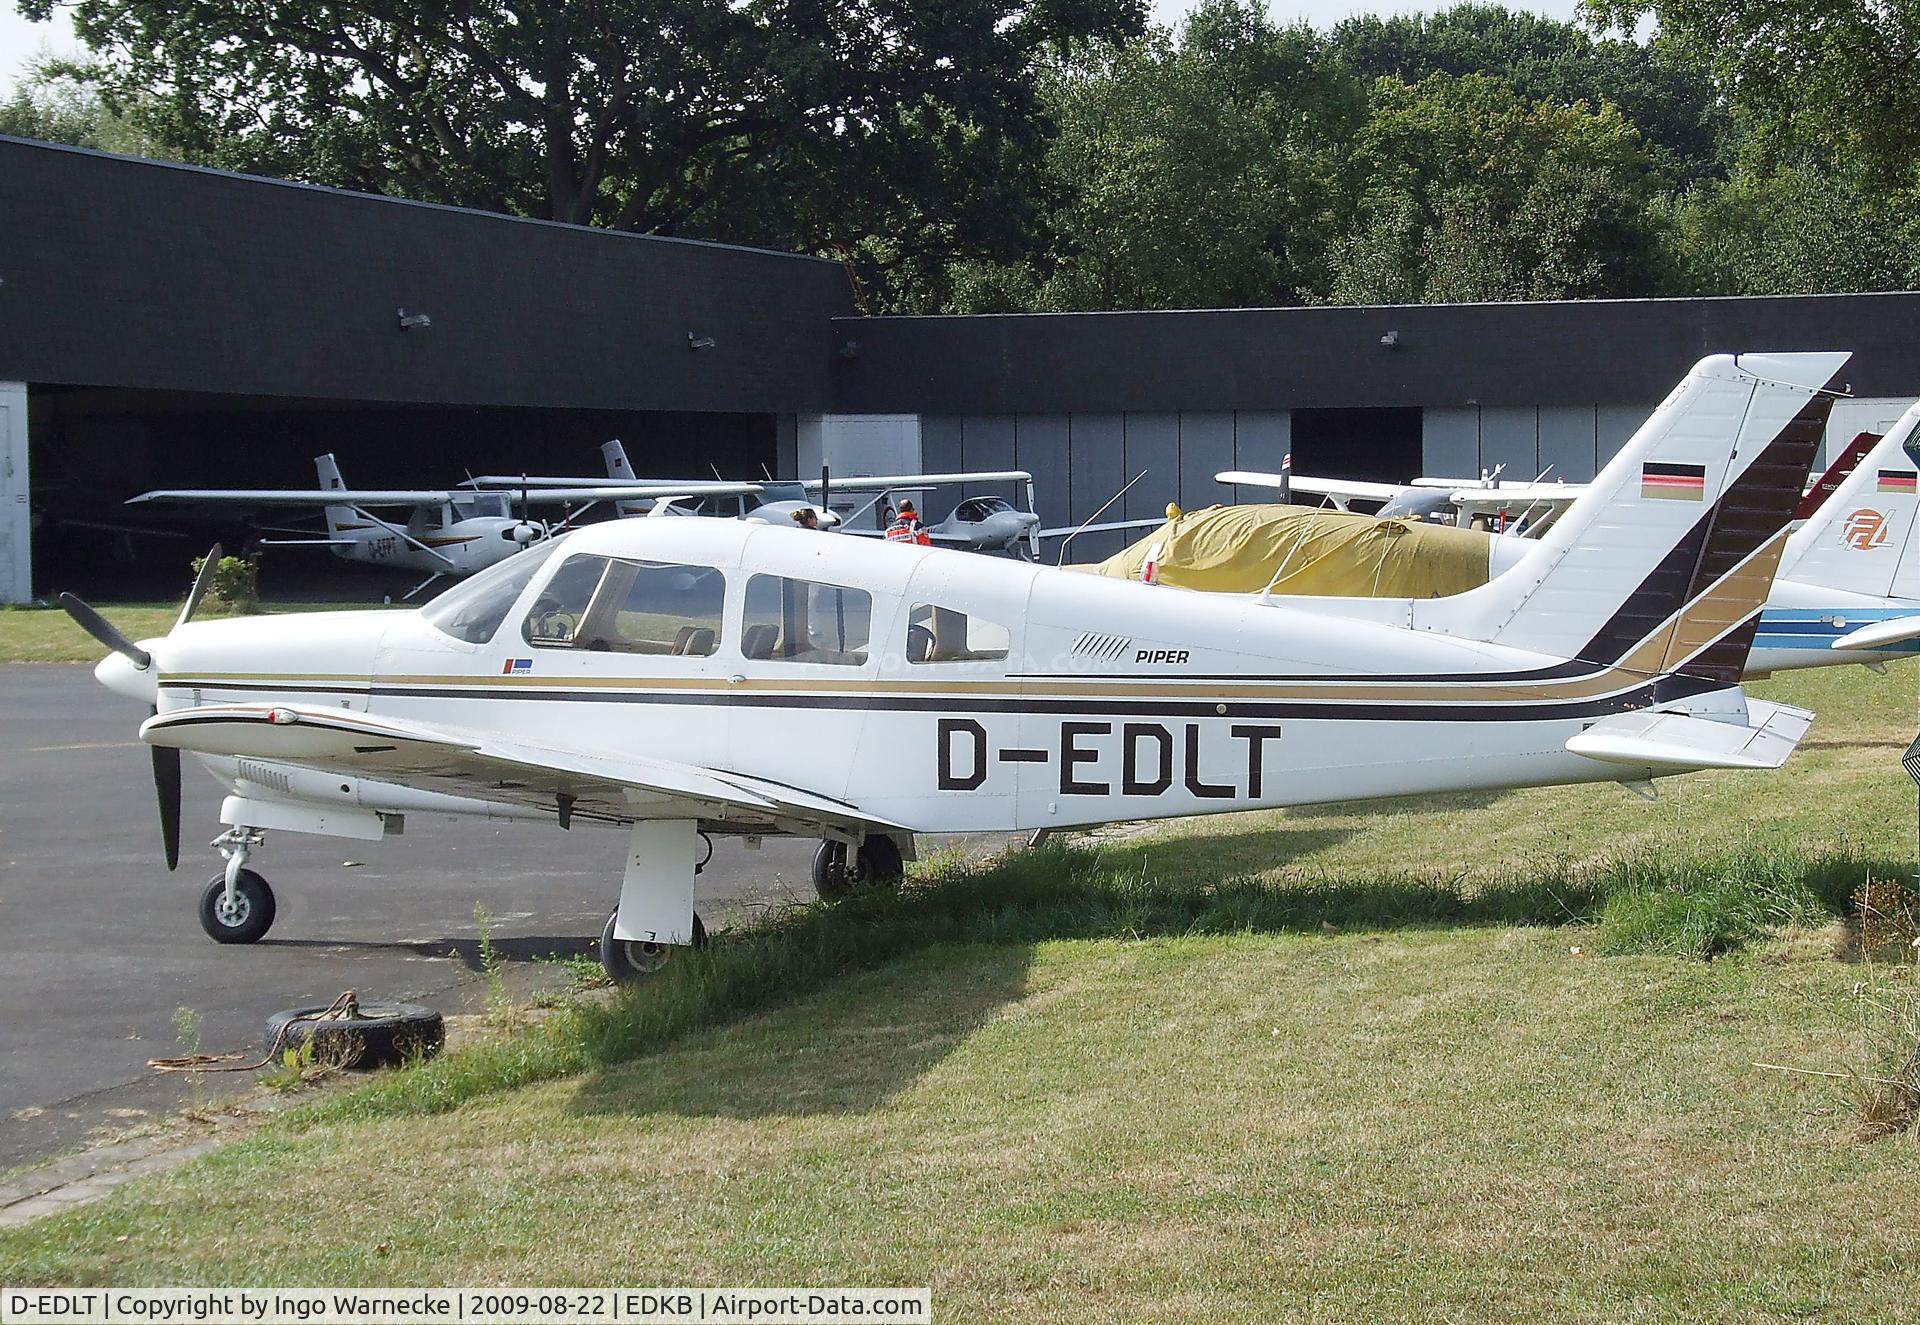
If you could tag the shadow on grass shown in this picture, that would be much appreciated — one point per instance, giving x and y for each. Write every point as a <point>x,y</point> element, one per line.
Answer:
<point>982,911</point>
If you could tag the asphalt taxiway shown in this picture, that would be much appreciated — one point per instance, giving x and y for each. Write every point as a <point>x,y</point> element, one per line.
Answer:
<point>99,945</point>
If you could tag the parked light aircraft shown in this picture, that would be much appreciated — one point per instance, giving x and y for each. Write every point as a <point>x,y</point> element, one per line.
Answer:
<point>630,672</point>
<point>1848,587</point>
<point>1524,509</point>
<point>979,524</point>
<point>454,531</point>
<point>1519,508</point>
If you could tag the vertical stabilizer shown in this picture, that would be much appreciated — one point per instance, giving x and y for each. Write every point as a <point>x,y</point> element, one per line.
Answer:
<point>341,520</point>
<point>615,456</point>
<point>1664,562</point>
<point>1860,539</point>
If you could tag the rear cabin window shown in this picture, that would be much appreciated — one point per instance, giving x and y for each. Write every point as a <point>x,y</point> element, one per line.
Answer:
<point>938,634</point>
<point>801,621</point>
<point>613,605</point>
<point>473,611</point>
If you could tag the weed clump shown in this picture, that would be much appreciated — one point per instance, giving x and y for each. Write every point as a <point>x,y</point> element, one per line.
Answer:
<point>1703,908</point>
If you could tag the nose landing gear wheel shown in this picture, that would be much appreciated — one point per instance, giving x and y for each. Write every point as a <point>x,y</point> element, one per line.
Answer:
<point>629,961</point>
<point>247,918</point>
<point>876,865</point>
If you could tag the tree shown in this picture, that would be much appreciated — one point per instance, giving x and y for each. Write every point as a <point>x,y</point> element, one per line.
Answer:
<point>1836,77</point>
<point>50,106</point>
<point>1468,192</point>
<point>796,123</point>
<point>1796,230</point>
<point>1663,90</point>
<point>1202,174</point>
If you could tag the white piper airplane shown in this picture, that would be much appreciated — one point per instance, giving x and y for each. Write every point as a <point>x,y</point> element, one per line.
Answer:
<point>629,674</point>
<point>449,531</point>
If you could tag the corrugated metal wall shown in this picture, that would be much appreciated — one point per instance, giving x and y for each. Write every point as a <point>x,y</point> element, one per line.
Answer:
<point>1079,461</point>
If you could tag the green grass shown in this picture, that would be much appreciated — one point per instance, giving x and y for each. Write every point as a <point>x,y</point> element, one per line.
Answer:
<point>47,634</point>
<point>1475,1058</point>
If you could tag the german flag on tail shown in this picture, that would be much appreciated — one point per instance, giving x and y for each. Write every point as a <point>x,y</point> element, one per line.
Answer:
<point>1673,482</point>
<point>1897,480</point>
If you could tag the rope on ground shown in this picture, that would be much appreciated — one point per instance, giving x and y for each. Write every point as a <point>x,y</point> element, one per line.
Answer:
<point>344,1008</point>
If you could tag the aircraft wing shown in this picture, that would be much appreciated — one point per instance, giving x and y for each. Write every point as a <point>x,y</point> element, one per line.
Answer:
<point>488,766</point>
<point>1346,489</point>
<point>1152,522</point>
<point>1513,496</point>
<point>296,497</point>
<point>1673,742</point>
<point>917,482</point>
<point>584,490</point>
<point>607,489</point>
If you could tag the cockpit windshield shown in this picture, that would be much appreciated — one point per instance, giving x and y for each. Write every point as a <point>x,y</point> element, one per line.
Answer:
<point>975,509</point>
<point>473,611</point>
<point>480,504</point>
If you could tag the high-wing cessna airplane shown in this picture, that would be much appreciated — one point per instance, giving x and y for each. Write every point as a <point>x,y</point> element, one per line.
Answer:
<point>451,531</point>
<point>1518,508</point>
<point>628,673</point>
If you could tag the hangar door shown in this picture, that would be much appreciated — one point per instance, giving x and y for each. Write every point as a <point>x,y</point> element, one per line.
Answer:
<point>1377,444</point>
<point>16,518</point>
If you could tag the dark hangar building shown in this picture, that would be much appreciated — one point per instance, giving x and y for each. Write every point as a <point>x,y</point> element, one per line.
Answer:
<point>167,325</point>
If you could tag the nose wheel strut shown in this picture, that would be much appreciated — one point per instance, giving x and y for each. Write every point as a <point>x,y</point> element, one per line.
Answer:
<point>237,906</point>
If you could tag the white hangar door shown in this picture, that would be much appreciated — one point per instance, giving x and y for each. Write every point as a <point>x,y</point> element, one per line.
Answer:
<point>16,517</point>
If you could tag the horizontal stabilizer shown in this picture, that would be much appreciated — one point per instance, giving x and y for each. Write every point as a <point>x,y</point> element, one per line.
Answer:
<point>1672,742</point>
<point>1879,634</point>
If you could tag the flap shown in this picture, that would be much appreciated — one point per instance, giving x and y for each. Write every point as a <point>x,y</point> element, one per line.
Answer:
<point>1674,741</point>
<point>492,767</point>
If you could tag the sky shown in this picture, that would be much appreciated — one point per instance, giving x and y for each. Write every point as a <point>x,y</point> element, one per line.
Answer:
<point>21,41</point>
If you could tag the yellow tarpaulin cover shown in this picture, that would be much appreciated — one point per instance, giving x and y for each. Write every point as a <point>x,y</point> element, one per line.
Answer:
<point>1237,549</point>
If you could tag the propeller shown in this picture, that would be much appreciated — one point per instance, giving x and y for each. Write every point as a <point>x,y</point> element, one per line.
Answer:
<point>166,789</point>
<point>166,761</point>
<point>201,582</point>
<point>105,631</point>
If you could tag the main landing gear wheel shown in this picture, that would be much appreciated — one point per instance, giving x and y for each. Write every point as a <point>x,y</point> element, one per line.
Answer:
<point>629,961</point>
<point>244,919</point>
<point>876,865</point>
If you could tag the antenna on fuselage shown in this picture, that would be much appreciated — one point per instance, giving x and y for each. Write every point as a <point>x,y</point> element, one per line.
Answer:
<point>1081,527</point>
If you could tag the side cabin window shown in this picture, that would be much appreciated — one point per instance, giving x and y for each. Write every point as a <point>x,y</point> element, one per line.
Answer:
<point>615,605</point>
<point>801,621</point>
<point>938,634</point>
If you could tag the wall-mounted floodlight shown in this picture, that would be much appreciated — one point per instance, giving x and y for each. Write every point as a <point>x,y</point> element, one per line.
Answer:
<point>1391,340</point>
<point>413,321</point>
<point>699,342</point>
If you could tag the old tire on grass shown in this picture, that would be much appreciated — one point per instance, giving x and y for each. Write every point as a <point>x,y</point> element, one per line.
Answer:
<point>250,916</point>
<point>629,961</point>
<point>383,1035</point>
